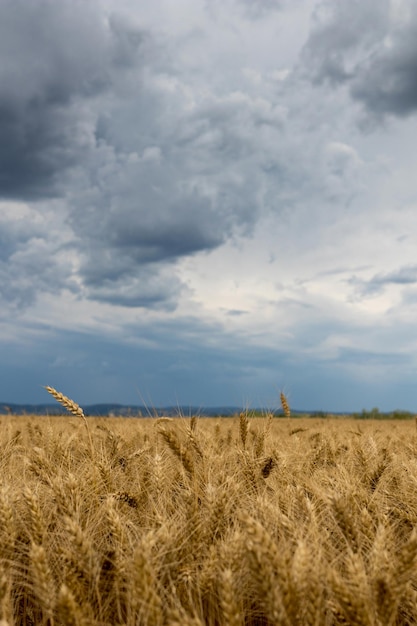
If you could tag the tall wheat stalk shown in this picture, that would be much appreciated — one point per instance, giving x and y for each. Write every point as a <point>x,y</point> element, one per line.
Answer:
<point>74,408</point>
<point>285,405</point>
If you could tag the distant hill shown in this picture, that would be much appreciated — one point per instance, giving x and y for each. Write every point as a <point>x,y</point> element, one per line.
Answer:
<point>129,411</point>
<point>122,410</point>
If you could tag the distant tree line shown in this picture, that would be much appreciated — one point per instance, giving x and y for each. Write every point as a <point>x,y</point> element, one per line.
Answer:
<point>376,414</point>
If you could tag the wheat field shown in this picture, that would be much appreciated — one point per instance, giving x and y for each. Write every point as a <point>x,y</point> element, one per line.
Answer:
<point>234,521</point>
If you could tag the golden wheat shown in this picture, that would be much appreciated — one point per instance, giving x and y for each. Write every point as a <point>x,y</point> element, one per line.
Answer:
<point>285,405</point>
<point>208,523</point>
<point>72,407</point>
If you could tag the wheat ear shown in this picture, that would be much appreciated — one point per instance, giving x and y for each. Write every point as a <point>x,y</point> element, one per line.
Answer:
<point>68,609</point>
<point>243,428</point>
<point>180,452</point>
<point>37,526</point>
<point>230,606</point>
<point>146,603</point>
<point>73,408</point>
<point>43,582</point>
<point>268,569</point>
<point>285,405</point>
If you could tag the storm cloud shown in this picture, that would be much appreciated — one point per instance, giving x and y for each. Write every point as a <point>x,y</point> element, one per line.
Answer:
<point>371,47</point>
<point>55,57</point>
<point>193,187</point>
<point>152,168</point>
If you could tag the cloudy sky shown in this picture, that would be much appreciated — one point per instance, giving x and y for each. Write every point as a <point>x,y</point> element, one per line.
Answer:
<point>209,201</point>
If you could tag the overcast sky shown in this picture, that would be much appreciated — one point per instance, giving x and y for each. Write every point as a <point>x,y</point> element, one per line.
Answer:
<point>209,201</point>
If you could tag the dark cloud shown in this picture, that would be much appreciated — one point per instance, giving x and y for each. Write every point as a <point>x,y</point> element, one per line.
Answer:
<point>236,312</point>
<point>372,48</point>
<point>15,234</point>
<point>403,276</point>
<point>132,231</point>
<point>152,168</point>
<point>154,162</point>
<point>143,216</point>
<point>35,255</point>
<point>190,362</point>
<point>168,182</point>
<point>406,275</point>
<point>389,82</point>
<point>68,101</point>
<point>166,135</point>
<point>53,57</point>
<point>37,144</point>
<point>30,273</point>
<point>151,287</point>
<point>184,361</point>
<point>342,32</point>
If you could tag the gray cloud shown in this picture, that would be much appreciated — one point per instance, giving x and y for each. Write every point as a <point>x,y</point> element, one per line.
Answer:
<point>151,287</point>
<point>342,33</point>
<point>53,57</point>
<point>157,158</point>
<point>259,8</point>
<point>171,182</point>
<point>36,255</point>
<point>154,166</point>
<point>372,48</point>
<point>369,358</point>
<point>144,213</point>
<point>190,361</point>
<point>31,272</point>
<point>251,9</point>
<point>406,275</point>
<point>177,361</point>
<point>154,163</point>
<point>388,84</point>
<point>15,234</point>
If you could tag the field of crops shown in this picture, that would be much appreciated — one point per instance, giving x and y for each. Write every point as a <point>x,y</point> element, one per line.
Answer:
<point>236,522</point>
